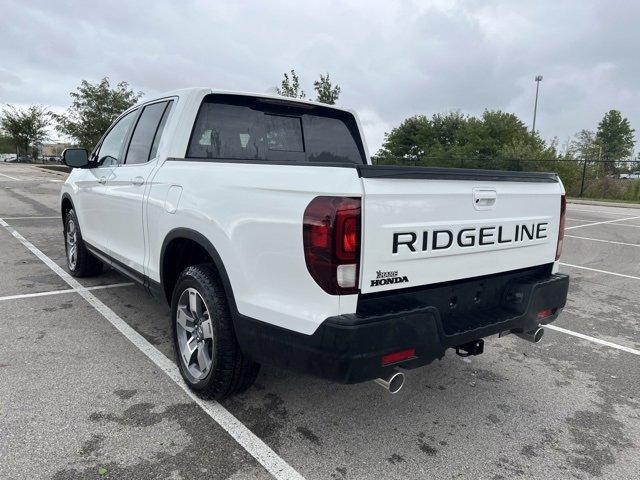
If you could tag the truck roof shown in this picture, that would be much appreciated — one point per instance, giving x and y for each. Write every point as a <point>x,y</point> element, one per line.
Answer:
<point>200,91</point>
<point>195,94</point>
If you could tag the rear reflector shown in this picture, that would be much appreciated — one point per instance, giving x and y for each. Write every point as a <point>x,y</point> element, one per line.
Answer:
<point>398,356</point>
<point>547,312</point>
<point>346,275</point>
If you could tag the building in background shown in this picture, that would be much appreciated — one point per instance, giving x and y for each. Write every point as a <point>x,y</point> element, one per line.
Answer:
<point>53,149</point>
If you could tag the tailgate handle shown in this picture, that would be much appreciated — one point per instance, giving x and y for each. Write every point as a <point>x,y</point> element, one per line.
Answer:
<point>484,198</point>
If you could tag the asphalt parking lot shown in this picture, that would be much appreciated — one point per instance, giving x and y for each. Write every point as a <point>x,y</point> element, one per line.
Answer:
<point>88,388</point>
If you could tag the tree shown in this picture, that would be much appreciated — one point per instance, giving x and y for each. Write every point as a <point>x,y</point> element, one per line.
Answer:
<point>495,140</point>
<point>291,88</point>
<point>7,145</point>
<point>93,110</point>
<point>27,128</point>
<point>326,92</point>
<point>584,146</point>
<point>404,143</point>
<point>615,137</point>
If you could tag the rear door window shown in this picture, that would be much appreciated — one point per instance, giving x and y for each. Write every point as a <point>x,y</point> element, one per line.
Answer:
<point>145,133</point>
<point>246,128</point>
<point>163,122</point>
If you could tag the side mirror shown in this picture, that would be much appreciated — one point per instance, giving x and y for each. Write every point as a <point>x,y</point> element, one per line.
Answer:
<point>76,157</point>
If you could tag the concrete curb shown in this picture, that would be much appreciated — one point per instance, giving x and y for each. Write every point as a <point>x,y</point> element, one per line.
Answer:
<point>602,204</point>
<point>63,172</point>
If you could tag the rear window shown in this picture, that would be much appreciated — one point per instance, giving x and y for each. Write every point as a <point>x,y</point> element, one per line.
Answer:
<point>245,128</point>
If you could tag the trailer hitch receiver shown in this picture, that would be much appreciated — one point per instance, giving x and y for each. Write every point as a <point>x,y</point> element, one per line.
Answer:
<point>472,348</point>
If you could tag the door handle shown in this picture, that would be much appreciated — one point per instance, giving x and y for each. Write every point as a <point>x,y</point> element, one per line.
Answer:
<point>484,199</point>
<point>138,181</point>
<point>102,180</point>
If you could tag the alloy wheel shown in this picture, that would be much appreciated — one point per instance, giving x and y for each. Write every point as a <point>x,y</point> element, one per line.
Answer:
<point>195,333</point>
<point>72,244</point>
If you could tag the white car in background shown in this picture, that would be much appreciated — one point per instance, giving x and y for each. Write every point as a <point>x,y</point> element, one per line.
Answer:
<point>630,176</point>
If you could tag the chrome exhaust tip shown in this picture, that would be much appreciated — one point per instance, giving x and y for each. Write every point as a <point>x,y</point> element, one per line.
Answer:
<point>393,383</point>
<point>533,336</point>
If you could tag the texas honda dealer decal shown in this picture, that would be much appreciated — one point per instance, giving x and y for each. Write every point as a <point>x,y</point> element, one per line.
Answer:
<point>385,278</point>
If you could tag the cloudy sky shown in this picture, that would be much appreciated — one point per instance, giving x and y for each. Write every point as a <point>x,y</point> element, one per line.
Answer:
<point>392,59</point>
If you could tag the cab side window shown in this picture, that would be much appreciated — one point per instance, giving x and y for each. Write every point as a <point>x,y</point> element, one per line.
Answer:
<point>146,136</point>
<point>110,151</point>
<point>163,122</point>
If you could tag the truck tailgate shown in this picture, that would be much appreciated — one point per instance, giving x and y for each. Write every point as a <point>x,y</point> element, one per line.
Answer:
<point>423,226</point>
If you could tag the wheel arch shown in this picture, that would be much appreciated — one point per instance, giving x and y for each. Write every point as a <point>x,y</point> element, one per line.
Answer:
<point>178,236</point>
<point>66,204</point>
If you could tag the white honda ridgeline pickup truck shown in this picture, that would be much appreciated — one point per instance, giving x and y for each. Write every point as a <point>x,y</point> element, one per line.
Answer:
<point>263,224</point>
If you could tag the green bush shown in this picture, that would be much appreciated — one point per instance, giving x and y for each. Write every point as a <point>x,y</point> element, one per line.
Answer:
<point>632,192</point>
<point>613,189</point>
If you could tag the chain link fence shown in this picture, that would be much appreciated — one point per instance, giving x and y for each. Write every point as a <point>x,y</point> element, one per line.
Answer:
<point>594,179</point>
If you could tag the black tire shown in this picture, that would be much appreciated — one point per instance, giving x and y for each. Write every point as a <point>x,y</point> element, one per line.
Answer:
<point>230,371</point>
<point>86,264</point>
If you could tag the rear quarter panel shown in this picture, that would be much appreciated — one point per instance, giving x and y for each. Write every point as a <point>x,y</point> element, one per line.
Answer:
<point>252,214</point>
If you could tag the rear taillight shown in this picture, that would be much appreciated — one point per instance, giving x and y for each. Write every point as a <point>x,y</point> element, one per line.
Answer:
<point>331,236</point>
<point>563,214</point>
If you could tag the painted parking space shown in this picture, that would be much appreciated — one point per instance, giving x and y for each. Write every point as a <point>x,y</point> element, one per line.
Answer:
<point>565,407</point>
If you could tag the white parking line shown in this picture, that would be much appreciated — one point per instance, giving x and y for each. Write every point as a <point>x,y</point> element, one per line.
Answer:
<point>593,339</point>
<point>625,225</point>
<point>600,271</point>
<point>615,223</point>
<point>9,176</point>
<point>270,460</point>
<point>601,223</point>
<point>603,241</point>
<point>30,218</point>
<point>580,219</point>
<point>59,292</point>
<point>598,212</point>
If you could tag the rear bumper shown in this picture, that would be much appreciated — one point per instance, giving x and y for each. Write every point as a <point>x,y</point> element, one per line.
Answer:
<point>349,348</point>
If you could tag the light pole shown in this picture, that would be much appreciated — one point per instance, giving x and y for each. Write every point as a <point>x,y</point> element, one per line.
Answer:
<point>535,106</point>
